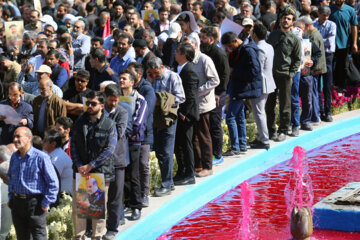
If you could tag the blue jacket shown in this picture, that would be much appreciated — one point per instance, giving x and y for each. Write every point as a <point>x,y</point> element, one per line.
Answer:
<point>246,79</point>
<point>146,90</point>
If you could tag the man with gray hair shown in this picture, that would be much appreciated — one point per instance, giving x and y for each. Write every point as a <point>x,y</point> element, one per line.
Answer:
<point>327,30</point>
<point>167,85</point>
<point>81,44</point>
<point>29,45</point>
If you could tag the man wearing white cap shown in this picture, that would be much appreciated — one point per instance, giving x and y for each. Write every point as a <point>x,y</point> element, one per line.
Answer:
<point>245,34</point>
<point>170,46</point>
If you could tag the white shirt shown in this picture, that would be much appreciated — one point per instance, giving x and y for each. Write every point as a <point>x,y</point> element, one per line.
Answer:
<point>179,68</point>
<point>63,164</point>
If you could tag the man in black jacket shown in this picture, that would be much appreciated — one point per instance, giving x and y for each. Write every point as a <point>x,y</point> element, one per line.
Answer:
<point>120,116</point>
<point>188,113</point>
<point>210,48</point>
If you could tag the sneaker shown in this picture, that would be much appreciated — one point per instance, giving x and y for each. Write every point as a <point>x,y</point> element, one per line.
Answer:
<point>145,201</point>
<point>110,235</point>
<point>231,153</point>
<point>306,127</point>
<point>328,118</point>
<point>281,137</point>
<point>273,136</point>
<point>217,161</point>
<point>294,132</point>
<point>243,150</point>
<point>256,144</point>
<point>316,123</point>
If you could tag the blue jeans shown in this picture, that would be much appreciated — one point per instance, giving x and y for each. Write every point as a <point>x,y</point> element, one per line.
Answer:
<point>295,102</point>
<point>235,119</point>
<point>164,141</point>
<point>315,117</point>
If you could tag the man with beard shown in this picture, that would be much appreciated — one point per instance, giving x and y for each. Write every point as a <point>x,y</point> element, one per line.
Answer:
<point>346,22</point>
<point>121,61</point>
<point>60,14</point>
<point>208,46</point>
<point>287,58</point>
<point>38,60</point>
<point>81,45</point>
<point>35,24</point>
<point>63,126</point>
<point>29,46</point>
<point>59,74</point>
<point>93,144</point>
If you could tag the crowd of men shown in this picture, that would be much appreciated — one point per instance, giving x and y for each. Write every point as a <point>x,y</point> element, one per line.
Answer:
<point>96,88</point>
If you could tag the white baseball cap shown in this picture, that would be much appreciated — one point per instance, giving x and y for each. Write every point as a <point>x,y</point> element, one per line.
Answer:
<point>174,30</point>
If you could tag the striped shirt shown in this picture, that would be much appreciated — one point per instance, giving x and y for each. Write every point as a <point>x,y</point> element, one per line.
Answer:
<point>33,174</point>
<point>170,82</point>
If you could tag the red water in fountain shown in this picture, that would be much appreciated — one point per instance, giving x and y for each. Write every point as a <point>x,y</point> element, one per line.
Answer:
<point>247,197</point>
<point>331,167</point>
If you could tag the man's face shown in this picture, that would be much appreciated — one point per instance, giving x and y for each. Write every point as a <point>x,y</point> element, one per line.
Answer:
<point>205,42</point>
<point>34,16</point>
<point>52,46</point>
<point>323,17</point>
<point>61,12</point>
<point>42,49</point>
<point>90,185</point>
<point>81,83</point>
<point>246,11</point>
<point>26,41</point>
<point>133,20</point>
<point>196,11</point>
<point>167,4</point>
<point>78,28</point>
<point>14,95</point>
<point>95,45</point>
<point>287,21</point>
<point>123,46</point>
<point>164,16</point>
<point>118,10</point>
<point>147,6</point>
<point>127,29</point>
<point>94,106</point>
<point>49,31</point>
<point>61,130</point>
<point>248,29</point>
<point>146,37</point>
<point>114,51</point>
<point>124,81</point>
<point>51,60</point>
<point>189,5</point>
<point>155,72</point>
<point>45,91</point>
<point>129,12</point>
<point>47,146</point>
<point>339,3</point>
<point>111,102</point>
<point>140,51</point>
<point>21,141</point>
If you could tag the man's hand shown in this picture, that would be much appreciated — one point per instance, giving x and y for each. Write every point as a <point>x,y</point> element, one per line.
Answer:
<point>309,63</point>
<point>84,170</point>
<point>354,48</point>
<point>70,49</point>
<point>217,100</point>
<point>24,121</point>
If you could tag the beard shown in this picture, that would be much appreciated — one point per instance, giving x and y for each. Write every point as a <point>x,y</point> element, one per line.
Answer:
<point>93,112</point>
<point>204,47</point>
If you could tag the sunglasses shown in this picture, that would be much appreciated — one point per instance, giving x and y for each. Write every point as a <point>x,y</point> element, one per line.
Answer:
<point>94,104</point>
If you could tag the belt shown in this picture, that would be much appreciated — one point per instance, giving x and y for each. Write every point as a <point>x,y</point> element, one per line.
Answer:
<point>26,196</point>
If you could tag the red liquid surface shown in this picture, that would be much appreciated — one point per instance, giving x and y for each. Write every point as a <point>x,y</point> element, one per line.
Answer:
<point>331,167</point>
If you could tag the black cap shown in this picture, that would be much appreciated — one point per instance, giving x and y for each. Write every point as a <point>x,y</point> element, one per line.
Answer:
<point>139,43</point>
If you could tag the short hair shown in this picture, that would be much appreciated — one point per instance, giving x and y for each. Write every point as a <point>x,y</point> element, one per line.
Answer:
<point>228,38</point>
<point>53,135</point>
<point>99,54</point>
<point>306,20</point>
<point>5,153</point>
<point>249,6</point>
<point>260,31</point>
<point>162,9</point>
<point>97,39</point>
<point>132,29</point>
<point>288,11</point>
<point>57,42</point>
<point>198,3</point>
<point>137,66</point>
<point>93,94</point>
<point>82,23</point>
<point>210,32</point>
<point>62,5</point>
<point>266,4</point>
<point>183,18</point>
<point>127,36</point>
<point>37,142</point>
<point>15,85</point>
<point>38,13</point>
<point>65,122</point>
<point>112,90</point>
<point>90,6</point>
<point>44,40</point>
<point>131,74</point>
<point>188,50</point>
<point>54,52</point>
<point>324,10</point>
<point>119,3</point>
<point>83,73</point>
<point>150,32</point>
<point>30,34</point>
<point>104,84</point>
<point>154,63</point>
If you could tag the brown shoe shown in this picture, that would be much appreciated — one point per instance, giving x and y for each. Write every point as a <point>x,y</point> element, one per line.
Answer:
<point>198,170</point>
<point>204,173</point>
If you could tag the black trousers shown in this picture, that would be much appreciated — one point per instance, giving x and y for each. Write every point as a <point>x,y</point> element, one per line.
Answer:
<point>339,72</point>
<point>115,200</point>
<point>184,151</point>
<point>305,92</point>
<point>325,108</point>
<point>28,218</point>
<point>215,127</point>
<point>283,88</point>
<point>132,179</point>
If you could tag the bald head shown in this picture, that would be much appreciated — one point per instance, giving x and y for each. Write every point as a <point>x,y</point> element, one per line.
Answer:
<point>45,87</point>
<point>22,139</point>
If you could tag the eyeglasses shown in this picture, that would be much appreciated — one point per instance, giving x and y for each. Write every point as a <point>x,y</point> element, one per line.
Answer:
<point>94,104</point>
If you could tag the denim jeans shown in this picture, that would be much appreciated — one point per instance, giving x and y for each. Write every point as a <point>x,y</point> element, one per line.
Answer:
<point>315,117</point>
<point>164,141</point>
<point>235,119</point>
<point>295,102</point>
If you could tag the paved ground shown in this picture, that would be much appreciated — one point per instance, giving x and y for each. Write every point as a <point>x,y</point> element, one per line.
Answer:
<point>156,202</point>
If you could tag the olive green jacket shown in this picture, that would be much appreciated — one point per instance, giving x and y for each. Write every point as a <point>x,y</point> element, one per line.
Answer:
<point>287,53</point>
<point>315,36</point>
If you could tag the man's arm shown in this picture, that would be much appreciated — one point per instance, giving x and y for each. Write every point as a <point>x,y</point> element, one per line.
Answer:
<point>51,182</point>
<point>178,90</point>
<point>296,57</point>
<point>354,34</point>
<point>212,78</point>
<point>84,47</point>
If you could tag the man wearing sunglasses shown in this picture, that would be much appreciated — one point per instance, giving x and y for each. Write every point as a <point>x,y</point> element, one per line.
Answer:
<point>93,144</point>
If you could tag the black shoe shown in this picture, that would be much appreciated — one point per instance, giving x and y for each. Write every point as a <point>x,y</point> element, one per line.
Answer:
<point>185,181</point>
<point>160,192</point>
<point>110,235</point>
<point>172,187</point>
<point>178,177</point>
<point>273,136</point>
<point>243,150</point>
<point>88,233</point>
<point>294,132</point>
<point>259,145</point>
<point>122,222</point>
<point>127,210</point>
<point>135,215</point>
<point>327,118</point>
<point>306,127</point>
<point>281,137</point>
